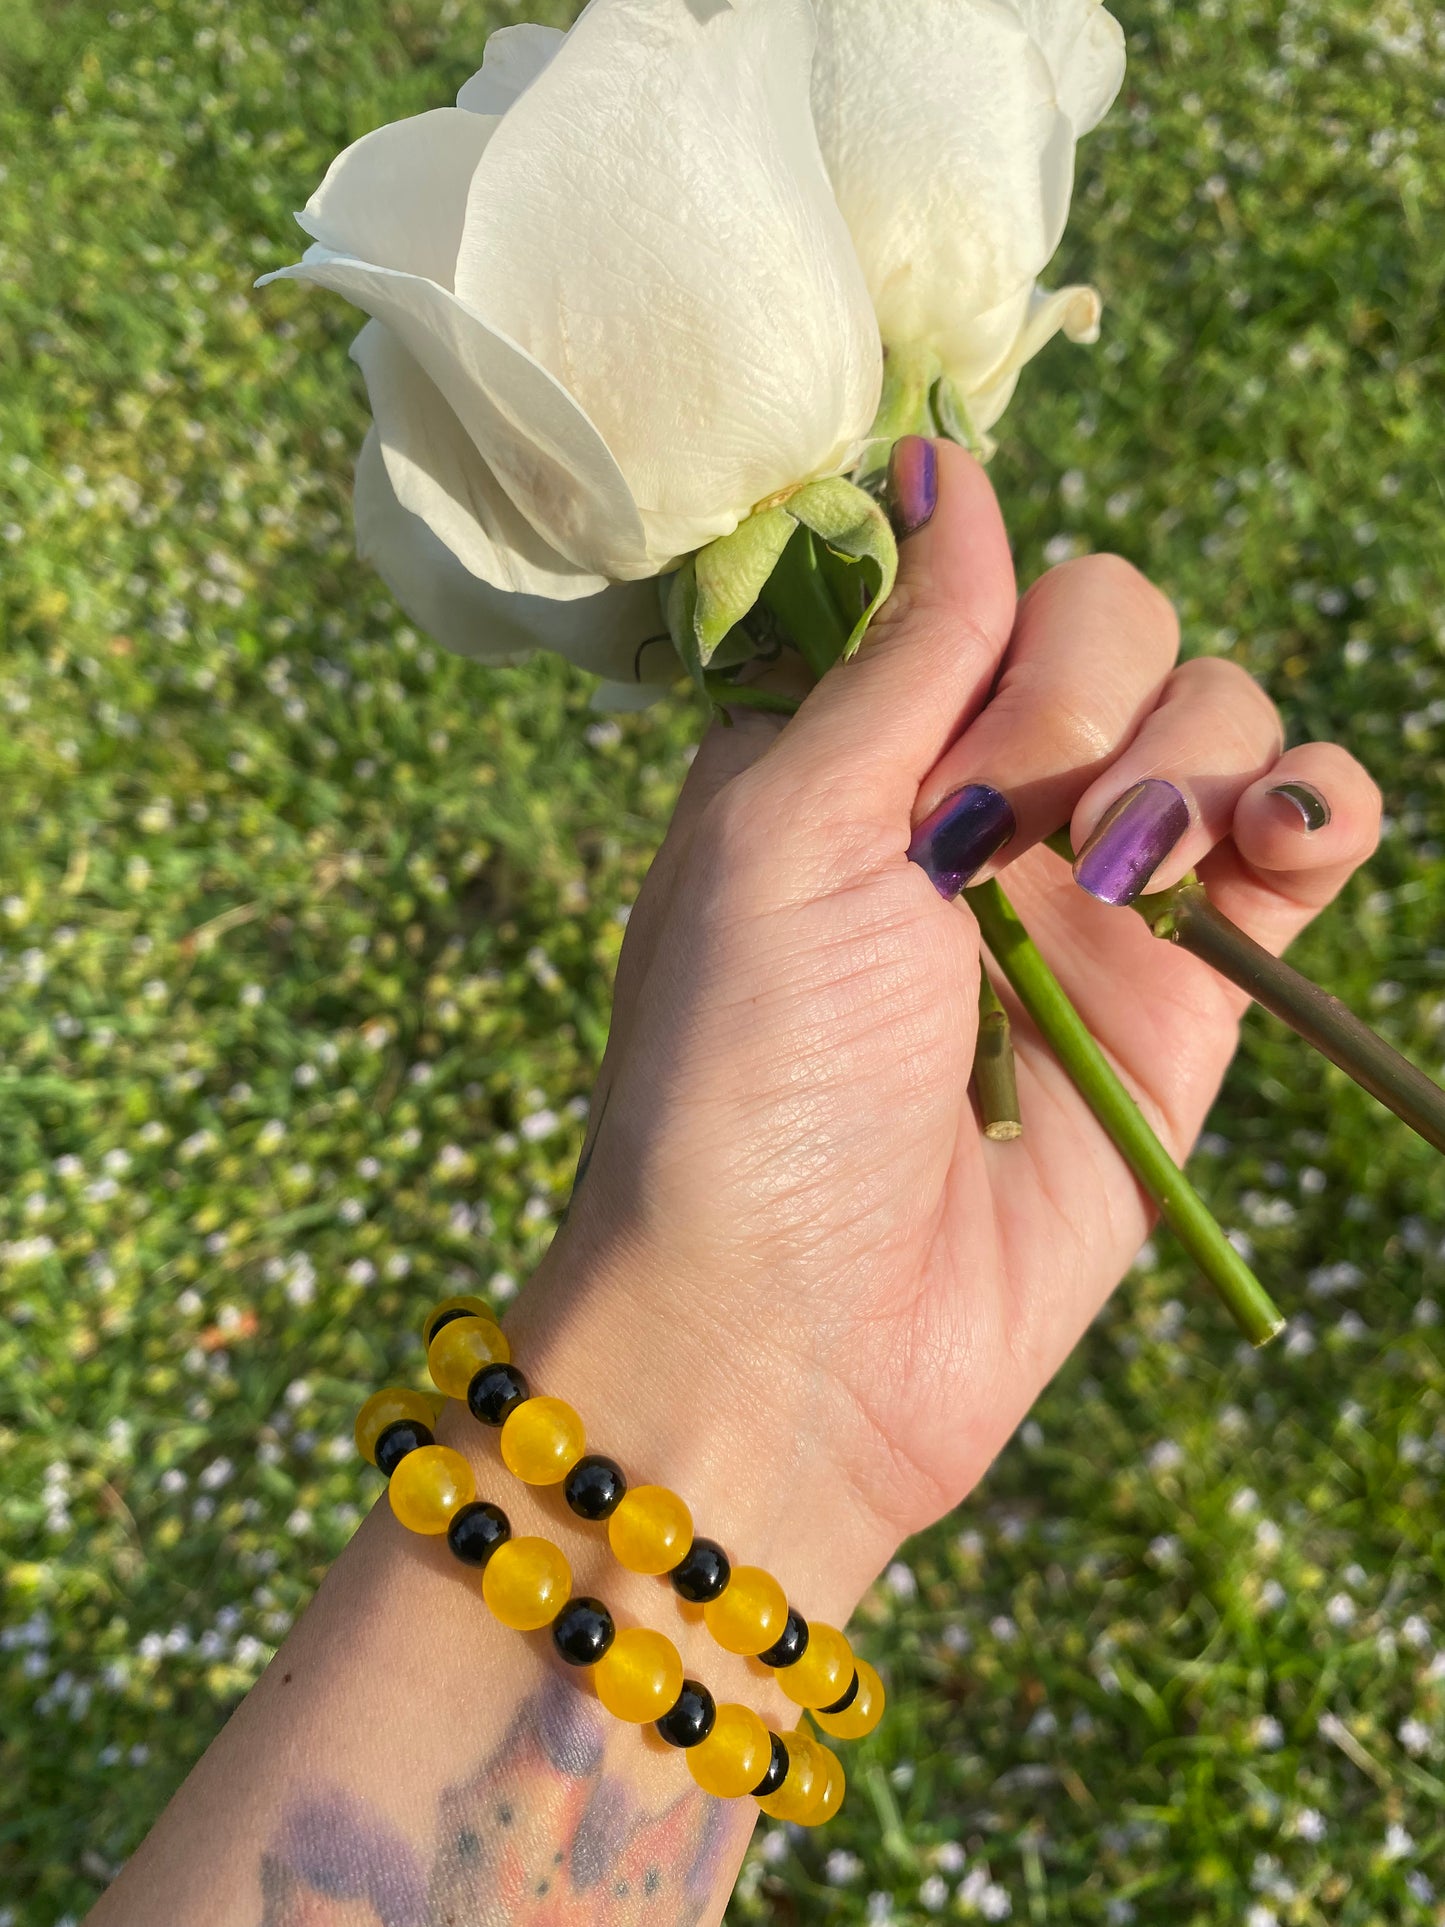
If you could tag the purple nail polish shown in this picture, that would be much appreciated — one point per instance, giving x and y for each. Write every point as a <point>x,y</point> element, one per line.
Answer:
<point>952,845</point>
<point>1132,840</point>
<point>912,485</point>
<point>1312,806</point>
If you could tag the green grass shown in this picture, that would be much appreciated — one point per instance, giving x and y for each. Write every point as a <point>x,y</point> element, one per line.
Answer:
<point>306,935</point>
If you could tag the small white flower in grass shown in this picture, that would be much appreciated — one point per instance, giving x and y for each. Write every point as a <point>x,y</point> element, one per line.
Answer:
<point>539,1125</point>
<point>902,1775</point>
<point>398,1265</point>
<point>368,1168</point>
<point>1414,1736</point>
<point>774,1846</point>
<point>1261,1916</point>
<point>350,1211</point>
<point>1003,1629</point>
<point>297,1393</point>
<point>252,995</point>
<point>1267,1538</point>
<point>1340,1610</point>
<point>361,1271</point>
<point>1244,1501</point>
<point>1267,1733</point>
<point>1121,1913</point>
<point>901,1580</point>
<point>249,1652</point>
<point>216,1474</point>
<point>1398,1842</point>
<point>933,1894</point>
<point>949,1858</point>
<point>841,1867</point>
<point>1166,1456</point>
<point>304,1076</point>
<point>1308,1824</point>
<point>1415,1632</point>
<point>879,1911</point>
<point>298,1521</point>
<point>1420,1887</point>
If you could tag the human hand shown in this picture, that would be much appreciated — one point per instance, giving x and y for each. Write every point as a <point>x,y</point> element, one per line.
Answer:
<point>796,1268</point>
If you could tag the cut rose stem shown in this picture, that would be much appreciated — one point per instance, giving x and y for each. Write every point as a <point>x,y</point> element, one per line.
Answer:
<point>995,1071</point>
<point>1179,1204</point>
<point>1185,916</point>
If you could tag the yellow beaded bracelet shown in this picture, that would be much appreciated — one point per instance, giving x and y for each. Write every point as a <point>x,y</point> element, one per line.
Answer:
<point>527,1584</point>
<point>649,1528</point>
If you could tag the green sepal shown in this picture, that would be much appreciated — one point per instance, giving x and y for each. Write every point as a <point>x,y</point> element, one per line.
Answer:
<point>682,620</point>
<point>909,375</point>
<point>951,412</point>
<point>852,525</point>
<point>731,573</point>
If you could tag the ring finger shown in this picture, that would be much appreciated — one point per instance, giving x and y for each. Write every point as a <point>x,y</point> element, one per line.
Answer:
<point>1171,796</point>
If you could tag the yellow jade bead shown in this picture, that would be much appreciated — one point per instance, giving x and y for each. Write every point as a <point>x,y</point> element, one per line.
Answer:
<point>651,1530</point>
<point>639,1677</point>
<point>542,1441</point>
<point>824,1672</point>
<point>526,1583</point>
<point>385,1408</point>
<point>733,1758</point>
<point>801,1788</point>
<point>429,1486</point>
<point>460,1350</point>
<point>750,1614</point>
<point>474,1307</point>
<point>858,1720</point>
<point>828,1792</point>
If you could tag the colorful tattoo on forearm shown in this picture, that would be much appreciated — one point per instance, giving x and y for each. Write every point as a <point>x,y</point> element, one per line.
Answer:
<point>542,1833</point>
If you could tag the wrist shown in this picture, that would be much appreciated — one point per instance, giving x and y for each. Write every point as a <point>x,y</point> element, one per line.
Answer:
<point>745,1433</point>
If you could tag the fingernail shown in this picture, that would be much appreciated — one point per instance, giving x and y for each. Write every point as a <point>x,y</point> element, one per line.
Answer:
<point>912,485</point>
<point>952,845</point>
<point>1132,840</point>
<point>1308,801</point>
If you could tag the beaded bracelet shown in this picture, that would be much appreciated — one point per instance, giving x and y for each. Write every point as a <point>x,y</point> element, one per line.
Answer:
<point>649,1527</point>
<point>637,1673</point>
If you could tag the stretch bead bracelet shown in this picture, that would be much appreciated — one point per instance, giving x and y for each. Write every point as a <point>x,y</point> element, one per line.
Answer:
<point>637,1673</point>
<point>649,1527</point>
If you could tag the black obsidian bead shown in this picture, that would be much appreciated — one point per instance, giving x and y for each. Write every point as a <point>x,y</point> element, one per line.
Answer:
<point>446,1318</point>
<point>842,1705</point>
<point>691,1719</point>
<point>405,1435</point>
<point>595,1487</point>
<point>583,1631</point>
<point>777,1771</point>
<point>791,1643</point>
<point>476,1531</point>
<point>703,1573</point>
<point>496,1392</point>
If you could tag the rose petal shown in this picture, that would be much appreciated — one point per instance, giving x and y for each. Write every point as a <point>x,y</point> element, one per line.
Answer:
<point>697,290</point>
<point>603,633</point>
<point>438,474</point>
<point>398,197</point>
<point>511,60</point>
<point>556,468</point>
<point>1084,46</point>
<point>951,158</point>
<point>1074,311</point>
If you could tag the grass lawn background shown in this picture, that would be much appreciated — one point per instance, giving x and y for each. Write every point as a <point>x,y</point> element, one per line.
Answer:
<point>306,934</point>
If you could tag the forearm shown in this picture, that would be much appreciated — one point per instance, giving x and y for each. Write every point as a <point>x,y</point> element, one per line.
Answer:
<point>406,1760</point>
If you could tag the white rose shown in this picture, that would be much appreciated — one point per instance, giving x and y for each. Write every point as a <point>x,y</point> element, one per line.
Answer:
<point>614,308</point>
<point>949,128</point>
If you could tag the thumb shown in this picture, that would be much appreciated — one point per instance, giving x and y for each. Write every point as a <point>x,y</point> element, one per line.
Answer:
<point>874,727</point>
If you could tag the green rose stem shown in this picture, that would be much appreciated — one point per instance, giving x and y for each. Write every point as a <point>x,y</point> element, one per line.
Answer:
<point>995,1071</point>
<point>1185,916</point>
<point>1180,1205</point>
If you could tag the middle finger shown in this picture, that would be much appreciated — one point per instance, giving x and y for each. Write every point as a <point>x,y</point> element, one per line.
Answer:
<point>1092,646</point>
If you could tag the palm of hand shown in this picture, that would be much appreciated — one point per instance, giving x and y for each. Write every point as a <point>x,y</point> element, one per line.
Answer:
<point>792,1099</point>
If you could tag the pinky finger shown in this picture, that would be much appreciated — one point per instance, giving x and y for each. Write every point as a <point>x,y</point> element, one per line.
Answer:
<point>1299,834</point>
